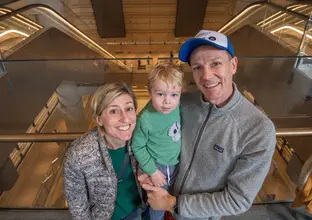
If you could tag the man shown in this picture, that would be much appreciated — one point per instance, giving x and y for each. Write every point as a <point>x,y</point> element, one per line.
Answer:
<point>227,143</point>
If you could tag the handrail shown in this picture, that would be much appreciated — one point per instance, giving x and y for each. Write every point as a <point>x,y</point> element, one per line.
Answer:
<point>39,137</point>
<point>65,137</point>
<point>293,132</point>
<point>66,22</point>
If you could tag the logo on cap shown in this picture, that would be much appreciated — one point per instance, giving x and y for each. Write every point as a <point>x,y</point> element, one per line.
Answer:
<point>212,38</point>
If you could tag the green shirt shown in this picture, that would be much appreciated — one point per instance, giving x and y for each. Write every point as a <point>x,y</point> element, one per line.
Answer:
<point>156,138</point>
<point>128,198</point>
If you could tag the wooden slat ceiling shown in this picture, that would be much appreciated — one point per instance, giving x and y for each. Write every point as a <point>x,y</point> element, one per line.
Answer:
<point>149,20</point>
<point>150,24</point>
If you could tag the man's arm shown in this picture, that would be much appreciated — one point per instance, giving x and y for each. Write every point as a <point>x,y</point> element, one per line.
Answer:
<point>75,189</point>
<point>244,181</point>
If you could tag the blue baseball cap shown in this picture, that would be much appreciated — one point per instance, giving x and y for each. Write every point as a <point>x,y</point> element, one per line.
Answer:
<point>205,37</point>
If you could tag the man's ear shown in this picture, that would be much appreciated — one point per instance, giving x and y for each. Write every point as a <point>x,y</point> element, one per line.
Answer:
<point>234,63</point>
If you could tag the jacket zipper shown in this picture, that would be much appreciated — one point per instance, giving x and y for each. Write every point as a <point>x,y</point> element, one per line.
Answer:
<point>195,149</point>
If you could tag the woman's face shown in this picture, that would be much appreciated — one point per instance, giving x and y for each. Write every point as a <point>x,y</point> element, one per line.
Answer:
<point>119,118</point>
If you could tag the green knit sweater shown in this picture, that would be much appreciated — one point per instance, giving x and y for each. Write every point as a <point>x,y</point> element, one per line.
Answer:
<point>157,138</point>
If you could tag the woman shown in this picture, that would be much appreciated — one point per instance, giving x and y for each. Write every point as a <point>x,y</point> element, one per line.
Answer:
<point>99,169</point>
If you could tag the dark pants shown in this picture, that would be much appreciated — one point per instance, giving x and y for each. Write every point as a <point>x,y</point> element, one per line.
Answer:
<point>137,214</point>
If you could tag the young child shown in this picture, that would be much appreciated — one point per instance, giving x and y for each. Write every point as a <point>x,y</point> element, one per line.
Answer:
<point>156,140</point>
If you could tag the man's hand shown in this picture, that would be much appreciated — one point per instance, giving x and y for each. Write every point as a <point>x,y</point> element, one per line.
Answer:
<point>159,198</point>
<point>158,179</point>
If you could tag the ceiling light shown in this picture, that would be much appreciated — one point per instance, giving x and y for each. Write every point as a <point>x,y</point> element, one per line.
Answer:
<point>13,31</point>
<point>291,28</point>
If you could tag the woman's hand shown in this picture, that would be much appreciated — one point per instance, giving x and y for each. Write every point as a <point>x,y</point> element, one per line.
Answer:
<point>158,179</point>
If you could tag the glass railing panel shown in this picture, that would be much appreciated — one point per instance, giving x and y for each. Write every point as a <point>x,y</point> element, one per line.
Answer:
<point>53,93</point>
<point>55,97</point>
<point>38,96</point>
<point>59,86</point>
<point>276,85</point>
<point>286,79</point>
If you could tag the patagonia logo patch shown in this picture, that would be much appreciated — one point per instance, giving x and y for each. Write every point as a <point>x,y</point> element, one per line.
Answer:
<point>218,148</point>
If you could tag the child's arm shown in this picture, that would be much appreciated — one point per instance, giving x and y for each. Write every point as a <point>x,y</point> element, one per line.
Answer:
<point>139,148</point>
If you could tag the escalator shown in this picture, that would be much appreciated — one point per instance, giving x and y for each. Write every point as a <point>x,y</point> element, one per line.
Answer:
<point>284,25</point>
<point>32,20</point>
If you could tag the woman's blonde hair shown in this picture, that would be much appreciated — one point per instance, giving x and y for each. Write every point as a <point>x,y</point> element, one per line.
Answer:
<point>104,95</point>
<point>167,73</point>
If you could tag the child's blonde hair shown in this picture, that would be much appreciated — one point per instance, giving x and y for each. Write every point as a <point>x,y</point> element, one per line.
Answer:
<point>167,73</point>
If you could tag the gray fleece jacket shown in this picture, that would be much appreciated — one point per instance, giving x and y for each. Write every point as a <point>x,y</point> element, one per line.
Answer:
<point>225,156</point>
<point>90,181</point>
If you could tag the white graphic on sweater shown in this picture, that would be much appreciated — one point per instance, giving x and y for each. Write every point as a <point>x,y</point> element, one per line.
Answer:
<point>174,131</point>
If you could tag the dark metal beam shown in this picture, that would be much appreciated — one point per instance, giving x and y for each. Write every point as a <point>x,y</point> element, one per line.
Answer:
<point>190,17</point>
<point>109,18</point>
<point>5,2</point>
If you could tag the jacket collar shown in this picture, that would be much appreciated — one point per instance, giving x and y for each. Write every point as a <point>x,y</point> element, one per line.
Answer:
<point>237,96</point>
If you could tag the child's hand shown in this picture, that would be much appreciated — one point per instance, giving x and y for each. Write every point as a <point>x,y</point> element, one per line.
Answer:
<point>144,178</point>
<point>158,179</point>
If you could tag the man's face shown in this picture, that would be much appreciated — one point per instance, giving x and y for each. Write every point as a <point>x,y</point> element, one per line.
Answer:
<point>213,71</point>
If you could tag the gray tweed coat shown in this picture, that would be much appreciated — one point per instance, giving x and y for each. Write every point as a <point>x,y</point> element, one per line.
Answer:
<point>90,183</point>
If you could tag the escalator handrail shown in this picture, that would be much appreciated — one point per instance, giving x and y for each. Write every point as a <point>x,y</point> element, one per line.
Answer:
<point>263,3</point>
<point>38,5</point>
